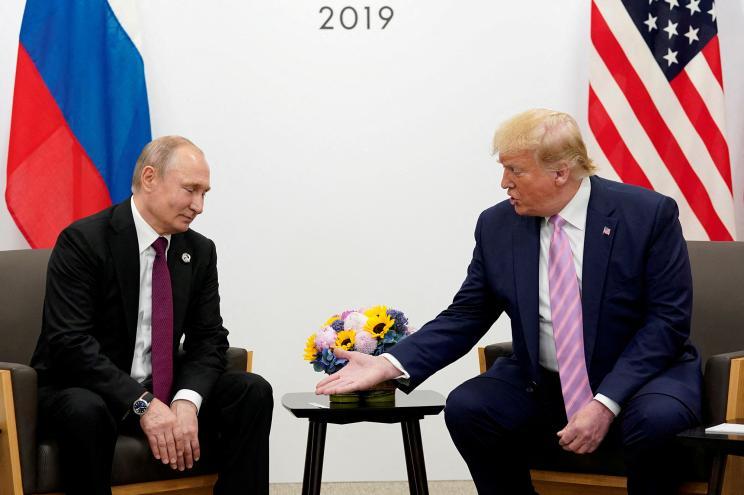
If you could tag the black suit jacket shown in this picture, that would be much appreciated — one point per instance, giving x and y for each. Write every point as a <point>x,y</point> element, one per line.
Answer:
<point>91,308</point>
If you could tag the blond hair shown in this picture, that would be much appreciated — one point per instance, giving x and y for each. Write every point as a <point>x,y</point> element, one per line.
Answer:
<point>157,154</point>
<point>553,138</point>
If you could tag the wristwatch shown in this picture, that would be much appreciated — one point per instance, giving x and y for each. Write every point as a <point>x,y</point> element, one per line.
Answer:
<point>140,405</point>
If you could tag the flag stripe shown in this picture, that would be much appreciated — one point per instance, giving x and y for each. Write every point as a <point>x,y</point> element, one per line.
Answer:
<point>698,113</point>
<point>712,53</point>
<point>613,146</point>
<point>635,52</point>
<point>655,125</point>
<point>45,163</point>
<point>95,75</point>
<point>638,142</point>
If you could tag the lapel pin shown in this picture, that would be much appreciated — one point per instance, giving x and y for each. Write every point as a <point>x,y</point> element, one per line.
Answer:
<point>186,257</point>
<point>606,231</point>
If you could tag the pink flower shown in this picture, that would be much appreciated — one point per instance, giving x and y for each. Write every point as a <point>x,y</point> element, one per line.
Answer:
<point>355,321</point>
<point>365,342</point>
<point>325,338</point>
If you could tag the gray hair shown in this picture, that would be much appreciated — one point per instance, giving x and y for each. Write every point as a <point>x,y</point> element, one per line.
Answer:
<point>157,154</point>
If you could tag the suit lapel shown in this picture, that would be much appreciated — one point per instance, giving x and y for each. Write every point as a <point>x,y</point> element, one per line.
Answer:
<point>598,240</point>
<point>526,251</point>
<point>180,259</point>
<point>125,254</point>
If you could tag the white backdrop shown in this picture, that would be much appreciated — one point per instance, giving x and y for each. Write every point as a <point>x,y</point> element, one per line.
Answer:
<point>349,167</point>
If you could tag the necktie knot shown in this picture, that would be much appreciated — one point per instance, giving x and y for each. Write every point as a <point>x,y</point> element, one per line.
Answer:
<point>557,221</point>
<point>160,245</point>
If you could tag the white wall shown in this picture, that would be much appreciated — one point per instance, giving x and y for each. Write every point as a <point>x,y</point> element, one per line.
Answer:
<point>349,167</point>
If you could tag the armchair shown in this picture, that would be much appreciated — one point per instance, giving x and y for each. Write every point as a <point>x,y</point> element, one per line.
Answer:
<point>28,465</point>
<point>718,332</point>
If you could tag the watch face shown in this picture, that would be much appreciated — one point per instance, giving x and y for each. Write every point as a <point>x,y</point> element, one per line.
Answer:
<point>140,407</point>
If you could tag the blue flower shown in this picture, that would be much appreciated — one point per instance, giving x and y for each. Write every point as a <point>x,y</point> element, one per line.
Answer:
<point>328,362</point>
<point>338,325</point>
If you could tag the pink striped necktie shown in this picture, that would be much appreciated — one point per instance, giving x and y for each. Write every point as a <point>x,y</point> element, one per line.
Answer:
<point>568,324</point>
<point>162,324</point>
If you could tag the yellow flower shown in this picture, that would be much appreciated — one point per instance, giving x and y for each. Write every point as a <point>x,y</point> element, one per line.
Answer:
<point>331,320</point>
<point>378,326</point>
<point>310,351</point>
<point>376,311</point>
<point>346,339</point>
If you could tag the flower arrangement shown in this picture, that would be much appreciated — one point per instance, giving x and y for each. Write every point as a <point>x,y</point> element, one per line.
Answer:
<point>371,331</point>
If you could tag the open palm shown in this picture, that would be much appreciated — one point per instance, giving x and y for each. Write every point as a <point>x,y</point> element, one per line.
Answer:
<point>360,373</point>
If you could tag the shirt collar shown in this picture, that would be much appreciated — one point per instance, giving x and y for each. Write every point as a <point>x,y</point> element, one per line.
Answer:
<point>574,212</point>
<point>146,235</point>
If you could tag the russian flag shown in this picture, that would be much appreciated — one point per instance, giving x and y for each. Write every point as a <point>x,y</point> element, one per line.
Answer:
<point>80,116</point>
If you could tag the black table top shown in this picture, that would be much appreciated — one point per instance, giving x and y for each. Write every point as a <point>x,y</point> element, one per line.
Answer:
<point>731,444</point>
<point>415,405</point>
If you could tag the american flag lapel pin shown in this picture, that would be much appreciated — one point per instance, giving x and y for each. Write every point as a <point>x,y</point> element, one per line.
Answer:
<point>606,231</point>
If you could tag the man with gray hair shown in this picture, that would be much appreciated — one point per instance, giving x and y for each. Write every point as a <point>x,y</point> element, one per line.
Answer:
<point>595,278</point>
<point>124,286</point>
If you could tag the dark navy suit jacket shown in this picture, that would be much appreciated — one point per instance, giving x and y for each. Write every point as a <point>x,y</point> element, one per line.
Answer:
<point>636,298</point>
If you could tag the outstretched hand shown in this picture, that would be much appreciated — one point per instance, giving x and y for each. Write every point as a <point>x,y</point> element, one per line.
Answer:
<point>360,373</point>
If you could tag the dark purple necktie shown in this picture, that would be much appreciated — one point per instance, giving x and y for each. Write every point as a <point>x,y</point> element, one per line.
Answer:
<point>162,324</point>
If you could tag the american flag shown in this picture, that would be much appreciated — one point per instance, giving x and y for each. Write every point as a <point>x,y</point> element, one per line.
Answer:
<point>656,110</point>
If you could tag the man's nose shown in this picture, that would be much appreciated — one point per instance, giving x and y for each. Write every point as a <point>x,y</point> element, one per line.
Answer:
<point>506,182</point>
<point>197,204</point>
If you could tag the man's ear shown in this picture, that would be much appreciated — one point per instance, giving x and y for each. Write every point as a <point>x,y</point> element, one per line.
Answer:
<point>148,178</point>
<point>562,175</point>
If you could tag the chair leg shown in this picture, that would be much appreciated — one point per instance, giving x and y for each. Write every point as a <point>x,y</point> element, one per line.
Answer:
<point>10,461</point>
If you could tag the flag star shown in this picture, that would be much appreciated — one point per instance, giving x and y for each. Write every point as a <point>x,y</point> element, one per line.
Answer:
<point>713,12</point>
<point>692,35</point>
<point>670,57</point>
<point>693,6</point>
<point>671,29</point>
<point>651,22</point>
<point>672,4</point>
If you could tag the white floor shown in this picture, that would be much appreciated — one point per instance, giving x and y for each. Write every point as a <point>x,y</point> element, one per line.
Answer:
<point>378,488</point>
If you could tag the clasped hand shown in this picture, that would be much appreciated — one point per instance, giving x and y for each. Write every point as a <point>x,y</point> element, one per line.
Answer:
<point>586,429</point>
<point>172,433</point>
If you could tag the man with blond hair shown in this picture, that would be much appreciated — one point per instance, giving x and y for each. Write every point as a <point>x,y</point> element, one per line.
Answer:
<point>124,286</point>
<point>595,278</point>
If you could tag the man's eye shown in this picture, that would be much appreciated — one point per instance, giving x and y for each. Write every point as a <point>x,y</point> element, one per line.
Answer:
<point>189,189</point>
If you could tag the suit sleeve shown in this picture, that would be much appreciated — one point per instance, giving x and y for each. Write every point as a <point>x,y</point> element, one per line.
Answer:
<point>668,304</point>
<point>69,319</point>
<point>205,344</point>
<point>456,329</point>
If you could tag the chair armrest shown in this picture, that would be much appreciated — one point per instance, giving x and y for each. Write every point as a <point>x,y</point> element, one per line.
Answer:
<point>723,387</point>
<point>239,359</point>
<point>18,403</point>
<point>487,355</point>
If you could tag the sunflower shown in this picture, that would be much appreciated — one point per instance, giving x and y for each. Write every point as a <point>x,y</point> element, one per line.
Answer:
<point>378,326</point>
<point>310,351</point>
<point>379,311</point>
<point>331,320</point>
<point>346,339</point>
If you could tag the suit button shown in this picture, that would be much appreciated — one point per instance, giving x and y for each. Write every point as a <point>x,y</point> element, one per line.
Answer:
<point>531,386</point>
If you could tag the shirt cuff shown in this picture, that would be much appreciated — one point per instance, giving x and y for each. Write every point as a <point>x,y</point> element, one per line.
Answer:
<point>396,363</point>
<point>608,403</point>
<point>189,395</point>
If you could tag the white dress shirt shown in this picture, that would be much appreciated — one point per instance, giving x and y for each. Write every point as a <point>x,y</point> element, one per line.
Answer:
<point>574,213</point>
<point>142,360</point>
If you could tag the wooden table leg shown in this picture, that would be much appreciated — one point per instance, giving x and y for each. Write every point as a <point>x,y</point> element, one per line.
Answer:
<point>415,463</point>
<point>717,471</point>
<point>314,458</point>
